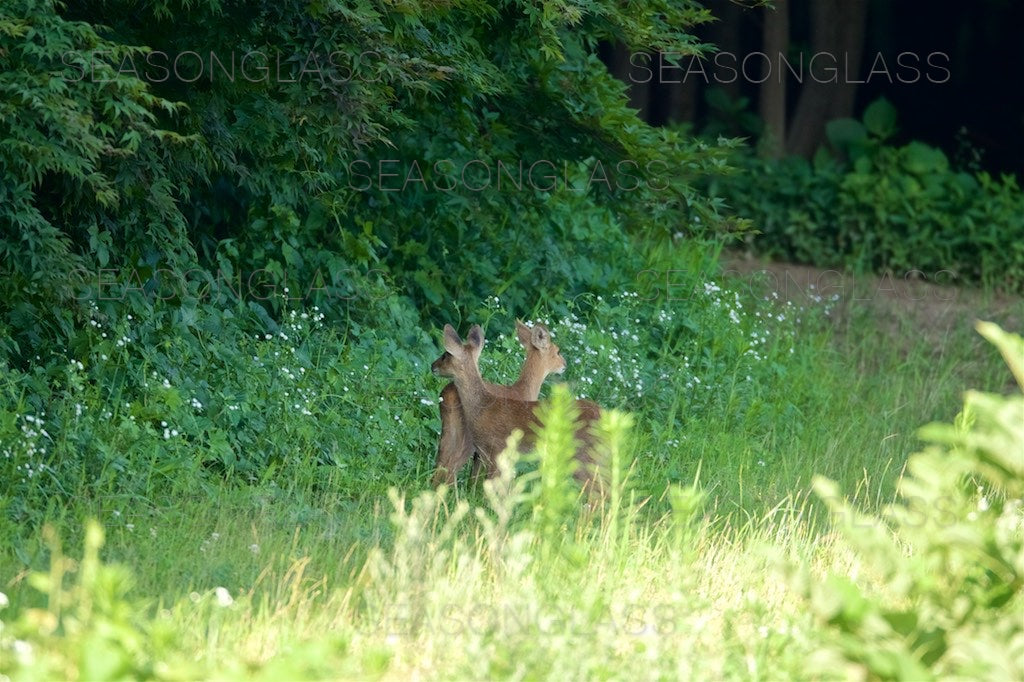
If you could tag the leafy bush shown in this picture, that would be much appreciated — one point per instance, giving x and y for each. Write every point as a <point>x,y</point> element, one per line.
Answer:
<point>83,170</point>
<point>137,351</point>
<point>875,206</point>
<point>146,405</point>
<point>114,155</point>
<point>949,556</point>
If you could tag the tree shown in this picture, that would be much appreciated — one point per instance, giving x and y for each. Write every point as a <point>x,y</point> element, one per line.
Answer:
<point>772,104</point>
<point>837,39</point>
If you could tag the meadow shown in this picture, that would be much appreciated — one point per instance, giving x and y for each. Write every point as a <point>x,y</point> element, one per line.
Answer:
<point>719,552</point>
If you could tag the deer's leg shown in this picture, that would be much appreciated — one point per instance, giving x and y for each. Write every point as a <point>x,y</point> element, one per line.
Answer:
<point>454,447</point>
<point>478,468</point>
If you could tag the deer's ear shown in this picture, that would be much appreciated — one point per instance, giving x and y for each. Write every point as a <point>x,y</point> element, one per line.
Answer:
<point>540,337</point>
<point>523,332</point>
<point>452,342</point>
<point>476,336</point>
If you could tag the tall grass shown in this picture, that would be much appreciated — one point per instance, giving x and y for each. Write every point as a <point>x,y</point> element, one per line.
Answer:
<point>468,591</point>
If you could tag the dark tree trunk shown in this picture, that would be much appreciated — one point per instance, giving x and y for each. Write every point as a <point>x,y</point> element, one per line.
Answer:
<point>772,104</point>
<point>837,41</point>
<point>725,35</point>
<point>682,96</point>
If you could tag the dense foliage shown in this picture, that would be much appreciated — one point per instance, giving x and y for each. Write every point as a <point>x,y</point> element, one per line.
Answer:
<point>875,206</point>
<point>324,146</point>
<point>200,204</point>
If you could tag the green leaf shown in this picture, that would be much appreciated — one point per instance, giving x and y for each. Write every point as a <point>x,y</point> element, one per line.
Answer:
<point>922,159</point>
<point>880,118</point>
<point>102,659</point>
<point>1011,347</point>
<point>848,136</point>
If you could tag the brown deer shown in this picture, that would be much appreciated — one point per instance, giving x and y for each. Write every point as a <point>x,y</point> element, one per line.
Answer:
<point>455,446</point>
<point>491,419</point>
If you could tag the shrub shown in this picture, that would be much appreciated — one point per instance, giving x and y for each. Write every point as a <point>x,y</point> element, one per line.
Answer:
<point>949,555</point>
<point>109,161</point>
<point>136,208</point>
<point>148,404</point>
<point>876,206</point>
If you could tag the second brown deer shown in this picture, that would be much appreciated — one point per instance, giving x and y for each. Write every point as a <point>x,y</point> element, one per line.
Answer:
<point>491,419</point>
<point>456,447</point>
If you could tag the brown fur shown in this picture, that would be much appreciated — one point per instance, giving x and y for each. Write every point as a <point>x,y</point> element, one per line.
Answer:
<point>456,446</point>
<point>491,419</point>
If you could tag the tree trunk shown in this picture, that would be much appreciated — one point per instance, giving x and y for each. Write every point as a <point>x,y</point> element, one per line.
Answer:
<point>725,35</point>
<point>837,41</point>
<point>682,100</point>
<point>772,104</point>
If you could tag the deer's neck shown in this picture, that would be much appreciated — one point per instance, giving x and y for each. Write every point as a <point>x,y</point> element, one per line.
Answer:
<point>471,390</point>
<point>530,380</point>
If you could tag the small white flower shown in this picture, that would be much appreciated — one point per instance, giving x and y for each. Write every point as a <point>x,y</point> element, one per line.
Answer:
<point>223,597</point>
<point>4,601</point>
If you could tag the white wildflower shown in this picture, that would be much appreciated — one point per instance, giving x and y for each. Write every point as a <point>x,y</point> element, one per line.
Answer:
<point>223,597</point>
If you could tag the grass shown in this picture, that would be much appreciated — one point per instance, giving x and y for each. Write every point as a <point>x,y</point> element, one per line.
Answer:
<point>457,599</point>
<point>316,572</point>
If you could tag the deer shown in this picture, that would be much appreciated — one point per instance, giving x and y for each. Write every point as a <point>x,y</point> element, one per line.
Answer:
<point>491,419</point>
<point>455,446</point>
